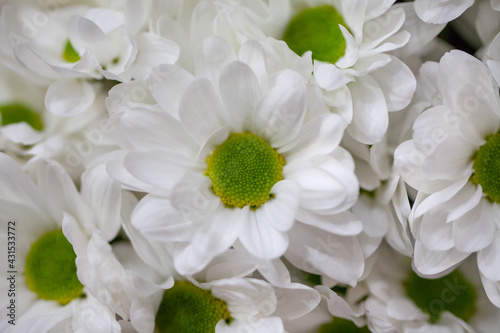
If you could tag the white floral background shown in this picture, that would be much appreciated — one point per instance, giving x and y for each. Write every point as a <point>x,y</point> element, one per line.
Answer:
<point>180,166</point>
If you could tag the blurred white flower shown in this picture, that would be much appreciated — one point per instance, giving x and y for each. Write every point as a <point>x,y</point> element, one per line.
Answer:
<point>74,45</point>
<point>48,289</point>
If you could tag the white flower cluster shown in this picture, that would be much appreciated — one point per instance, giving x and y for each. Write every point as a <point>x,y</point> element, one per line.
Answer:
<point>249,166</point>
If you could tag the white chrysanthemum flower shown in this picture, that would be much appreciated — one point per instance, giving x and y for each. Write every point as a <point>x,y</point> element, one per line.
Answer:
<point>72,46</point>
<point>398,300</point>
<point>48,290</point>
<point>237,159</point>
<point>452,162</point>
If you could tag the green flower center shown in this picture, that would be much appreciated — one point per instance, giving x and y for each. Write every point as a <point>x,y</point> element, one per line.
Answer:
<point>187,308</point>
<point>451,293</point>
<point>340,325</point>
<point>243,169</point>
<point>317,30</point>
<point>17,113</point>
<point>487,168</point>
<point>69,53</point>
<point>51,270</point>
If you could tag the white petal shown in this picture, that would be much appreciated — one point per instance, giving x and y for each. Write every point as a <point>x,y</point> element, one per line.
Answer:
<point>75,234</point>
<point>492,289</point>
<point>252,53</point>
<point>370,118</point>
<point>240,93</point>
<point>295,300</point>
<point>153,50</point>
<point>468,90</point>
<point>216,235</point>
<point>487,259</point>
<point>397,83</point>
<point>320,136</point>
<point>213,54</point>
<point>167,84</point>
<point>159,168</point>
<point>60,191</point>
<point>43,316</point>
<point>319,252</point>
<point>157,219</point>
<point>354,16</point>
<point>377,30</point>
<point>323,189</point>
<point>435,234</point>
<point>69,97</point>
<point>374,215</point>
<point>279,115</point>
<point>260,237</point>
<point>437,12</point>
<point>200,100</point>
<point>351,54</point>
<point>436,263</point>
<point>343,224</point>
<point>282,209</point>
<point>328,76</point>
<point>103,195</point>
<point>21,133</point>
<point>468,198</point>
<point>17,187</point>
<point>149,129</point>
<point>493,58</point>
<point>117,170</point>
<point>408,160</point>
<point>475,230</point>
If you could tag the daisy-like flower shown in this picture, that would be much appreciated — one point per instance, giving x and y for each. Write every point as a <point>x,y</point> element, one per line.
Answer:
<point>340,45</point>
<point>452,162</point>
<point>74,45</point>
<point>398,300</point>
<point>48,290</point>
<point>240,159</point>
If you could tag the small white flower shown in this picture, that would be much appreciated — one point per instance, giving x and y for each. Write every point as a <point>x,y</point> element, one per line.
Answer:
<point>452,162</point>
<point>86,44</point>
<point>185,155</point>
<point>48,289</point>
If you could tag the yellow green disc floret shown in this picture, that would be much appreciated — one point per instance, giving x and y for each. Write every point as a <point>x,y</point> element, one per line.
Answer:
<point>188,308</point>
<point>317,30</point>
<point>51,269</point>
<point>243,169</point>
<point>487,168</point>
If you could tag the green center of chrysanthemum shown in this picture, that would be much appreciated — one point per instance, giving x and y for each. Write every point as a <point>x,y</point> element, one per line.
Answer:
<point>69,53</point>
<point>17,113</point>
<point>487,167</point>
<point>243,169</point>
<point>340,325</point>
<point>317,30</point>
<point>451,293</point>
<point>51,270</point>
<point>187,308</point>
